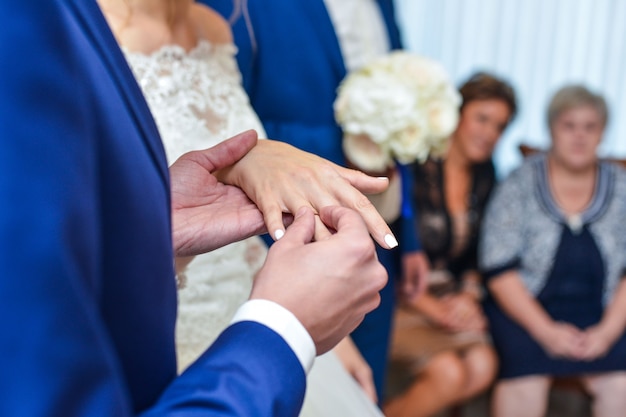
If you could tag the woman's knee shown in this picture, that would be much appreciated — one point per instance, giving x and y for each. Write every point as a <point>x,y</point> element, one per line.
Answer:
<point>482,366</point>
<point>525,396</point>
<point>448,371</point>
<point>611,384</point>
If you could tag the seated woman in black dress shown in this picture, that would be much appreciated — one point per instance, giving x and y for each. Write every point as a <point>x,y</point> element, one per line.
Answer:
<point>553,251</point>
<point>440,354</point>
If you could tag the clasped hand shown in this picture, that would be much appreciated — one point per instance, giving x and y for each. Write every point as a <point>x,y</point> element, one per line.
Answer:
<point>566,341</point>
<point>329,281</point>
<point>461,313</point>
<point>241,188</point>
<point>328,285</point>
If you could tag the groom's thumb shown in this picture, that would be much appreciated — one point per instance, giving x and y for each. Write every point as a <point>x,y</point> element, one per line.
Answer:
<point>230,151</point>
<point>301,230</point>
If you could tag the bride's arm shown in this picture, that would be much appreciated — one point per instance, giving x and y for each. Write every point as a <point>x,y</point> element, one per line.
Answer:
<point>280,178</point>
<point>208,214</point>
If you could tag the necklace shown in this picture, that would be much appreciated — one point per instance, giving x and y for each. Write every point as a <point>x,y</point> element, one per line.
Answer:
<point>573,213</point>
<point>575,223</point>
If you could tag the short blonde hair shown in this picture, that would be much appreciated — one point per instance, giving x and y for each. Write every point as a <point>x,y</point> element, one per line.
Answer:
<point>572,96</point>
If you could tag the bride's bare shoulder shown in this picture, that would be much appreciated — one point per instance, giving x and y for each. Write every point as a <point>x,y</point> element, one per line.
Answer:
<point>210,25</point>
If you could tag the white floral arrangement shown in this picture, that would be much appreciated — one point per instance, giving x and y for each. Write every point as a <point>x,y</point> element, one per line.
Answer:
<point>400,107</point>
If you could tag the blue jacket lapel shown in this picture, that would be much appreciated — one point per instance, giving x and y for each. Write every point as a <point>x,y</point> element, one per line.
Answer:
<point>97,29</point>
<point>323,26</point>
<point>388,12</point>
<point>317,12</point>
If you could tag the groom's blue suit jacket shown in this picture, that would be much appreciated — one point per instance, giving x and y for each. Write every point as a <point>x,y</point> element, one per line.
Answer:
<point>87,294</point>
<point>292,64</point>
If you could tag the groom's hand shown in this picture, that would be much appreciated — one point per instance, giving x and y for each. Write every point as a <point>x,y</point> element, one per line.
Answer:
<point>207,214</point>
<point>329,285</point>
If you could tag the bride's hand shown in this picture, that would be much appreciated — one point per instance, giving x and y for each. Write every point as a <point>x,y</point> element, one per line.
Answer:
<point>280,178</point>
<point>207,214</point>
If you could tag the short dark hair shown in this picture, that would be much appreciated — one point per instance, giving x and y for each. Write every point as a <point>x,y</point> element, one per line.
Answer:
<point>485,86</point>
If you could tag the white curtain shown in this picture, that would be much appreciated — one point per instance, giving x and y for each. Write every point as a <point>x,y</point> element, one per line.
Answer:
<point>538,45</point>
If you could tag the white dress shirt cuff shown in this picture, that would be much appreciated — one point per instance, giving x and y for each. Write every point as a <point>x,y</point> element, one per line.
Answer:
<point>283,322</point>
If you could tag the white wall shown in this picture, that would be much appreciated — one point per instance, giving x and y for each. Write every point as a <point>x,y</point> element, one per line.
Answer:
<point>538,45</point>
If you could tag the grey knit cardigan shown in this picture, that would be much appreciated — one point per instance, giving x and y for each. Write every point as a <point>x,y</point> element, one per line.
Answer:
<point>522,225</point>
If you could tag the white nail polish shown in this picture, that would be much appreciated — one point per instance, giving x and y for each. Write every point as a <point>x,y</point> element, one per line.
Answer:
<point>391,241</point>
<point>280,233</point>
<point>383,178</point>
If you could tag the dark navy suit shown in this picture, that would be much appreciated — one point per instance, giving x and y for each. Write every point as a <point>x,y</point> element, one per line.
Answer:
<point>87,294</point>
<point>292,65</point>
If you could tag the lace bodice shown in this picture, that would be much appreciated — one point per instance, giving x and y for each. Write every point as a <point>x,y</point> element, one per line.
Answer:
<point>197,101</point>
<point>196,97</point>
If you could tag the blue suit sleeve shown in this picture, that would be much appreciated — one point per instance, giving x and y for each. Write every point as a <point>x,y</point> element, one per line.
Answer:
<point>57,352</point>
<point>55,355</point>
<point>247,364</point>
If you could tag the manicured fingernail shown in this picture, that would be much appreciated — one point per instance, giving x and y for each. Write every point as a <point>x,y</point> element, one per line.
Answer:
<point>280,233</point>
<point>391,241</point>
<point>383,178</point>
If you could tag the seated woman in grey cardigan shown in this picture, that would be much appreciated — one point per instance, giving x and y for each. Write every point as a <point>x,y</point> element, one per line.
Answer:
<point>553,253</point>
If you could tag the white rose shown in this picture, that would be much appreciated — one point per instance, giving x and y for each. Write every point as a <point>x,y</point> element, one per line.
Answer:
<point>427,75</point>
<point>401,102</point>
<point>411,143</point>
<point>439,147</point>
<point>365,154</point>
<point>398,108</point>
<point>376,105</point>
<point>443,117</point>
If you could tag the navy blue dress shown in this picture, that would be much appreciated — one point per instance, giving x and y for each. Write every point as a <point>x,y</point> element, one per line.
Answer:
<point>572,294</point>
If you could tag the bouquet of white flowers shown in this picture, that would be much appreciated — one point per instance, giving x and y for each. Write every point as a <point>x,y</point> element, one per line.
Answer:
<point>401,106</point>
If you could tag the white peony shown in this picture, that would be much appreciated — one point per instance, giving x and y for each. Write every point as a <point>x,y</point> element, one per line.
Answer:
<point>401,106</point>
<point>360,111</point>
<point>412,143</point>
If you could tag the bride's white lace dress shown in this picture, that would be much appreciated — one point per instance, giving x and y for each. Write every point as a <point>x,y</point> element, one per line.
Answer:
<point>197,101</point>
